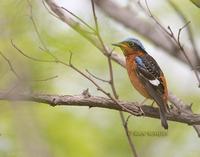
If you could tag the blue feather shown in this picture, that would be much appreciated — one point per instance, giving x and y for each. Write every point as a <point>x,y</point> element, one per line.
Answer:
<point>139,61</point>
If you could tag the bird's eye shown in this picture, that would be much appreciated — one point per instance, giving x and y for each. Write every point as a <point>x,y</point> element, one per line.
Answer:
<point>131,44</point>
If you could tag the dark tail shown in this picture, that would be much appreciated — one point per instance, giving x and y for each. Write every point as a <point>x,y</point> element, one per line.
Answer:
<point>162,110</point>
<point>163,116</point>
<point>158,99</point>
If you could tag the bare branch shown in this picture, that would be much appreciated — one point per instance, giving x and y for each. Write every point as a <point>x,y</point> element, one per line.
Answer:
<point>177,41</point>
<point>46,79</point>
<point>101,102</point>
<point>156,21</point>
<point>111,82</point>
<point>105,50</point>
<point>17,75</point>
<point>27,56</point>
<point>95,17</point>
<point>189,30</point>
<point>10,65</point>
<point>35,26</point>
<point>111,76</point>
<point>179,31</point>
<point>96,77</point>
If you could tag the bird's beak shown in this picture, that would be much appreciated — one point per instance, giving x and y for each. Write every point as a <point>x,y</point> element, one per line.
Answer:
<point>116,44</point>
<point>120,44</point>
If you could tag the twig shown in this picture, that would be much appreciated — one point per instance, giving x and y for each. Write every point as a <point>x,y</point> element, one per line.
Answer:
<point>46,79</point>
<point>45,49</point>
<point>96,77</point>
<point>105,51</point>
<point>111,77</point>
<point>81,20</point>
<point>177,41</point>
<point>17,75</point>
<point>95,17</point>
<point>35,25</point>
<point>189,30</point>
<point>10,65</point>
<point>27,56</point>
<point>179,32</point>
<point>132,146</point>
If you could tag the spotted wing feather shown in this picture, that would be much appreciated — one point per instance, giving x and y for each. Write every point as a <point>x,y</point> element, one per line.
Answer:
<point>149,74</point>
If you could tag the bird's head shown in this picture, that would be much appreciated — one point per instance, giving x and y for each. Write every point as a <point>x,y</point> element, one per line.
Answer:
<point>131,46</point>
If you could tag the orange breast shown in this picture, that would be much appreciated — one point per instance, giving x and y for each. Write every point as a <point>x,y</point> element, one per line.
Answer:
<point>130,66</point>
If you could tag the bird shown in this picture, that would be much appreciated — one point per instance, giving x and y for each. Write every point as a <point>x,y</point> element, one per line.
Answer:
<point>145,75</point>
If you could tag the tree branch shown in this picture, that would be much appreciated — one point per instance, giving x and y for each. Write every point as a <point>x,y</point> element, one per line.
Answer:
<point>101,102</point>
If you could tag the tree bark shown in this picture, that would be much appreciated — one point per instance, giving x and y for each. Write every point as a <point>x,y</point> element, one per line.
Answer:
<point>102,102</point>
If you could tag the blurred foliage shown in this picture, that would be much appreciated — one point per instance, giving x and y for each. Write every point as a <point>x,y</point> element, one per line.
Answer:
<point>38,130</point>
<point>196,2</point>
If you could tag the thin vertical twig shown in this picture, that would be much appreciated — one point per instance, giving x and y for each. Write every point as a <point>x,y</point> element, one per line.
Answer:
<point>179,31</point>
<point>97,29</point>
<point>112,77</point>
<point>125,126</point>
<point>169,32</point>
<point>35,26</point>
<point>45,49</point>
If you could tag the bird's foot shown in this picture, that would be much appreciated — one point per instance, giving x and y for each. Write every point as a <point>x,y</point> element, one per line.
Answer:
<point>141,112</point>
